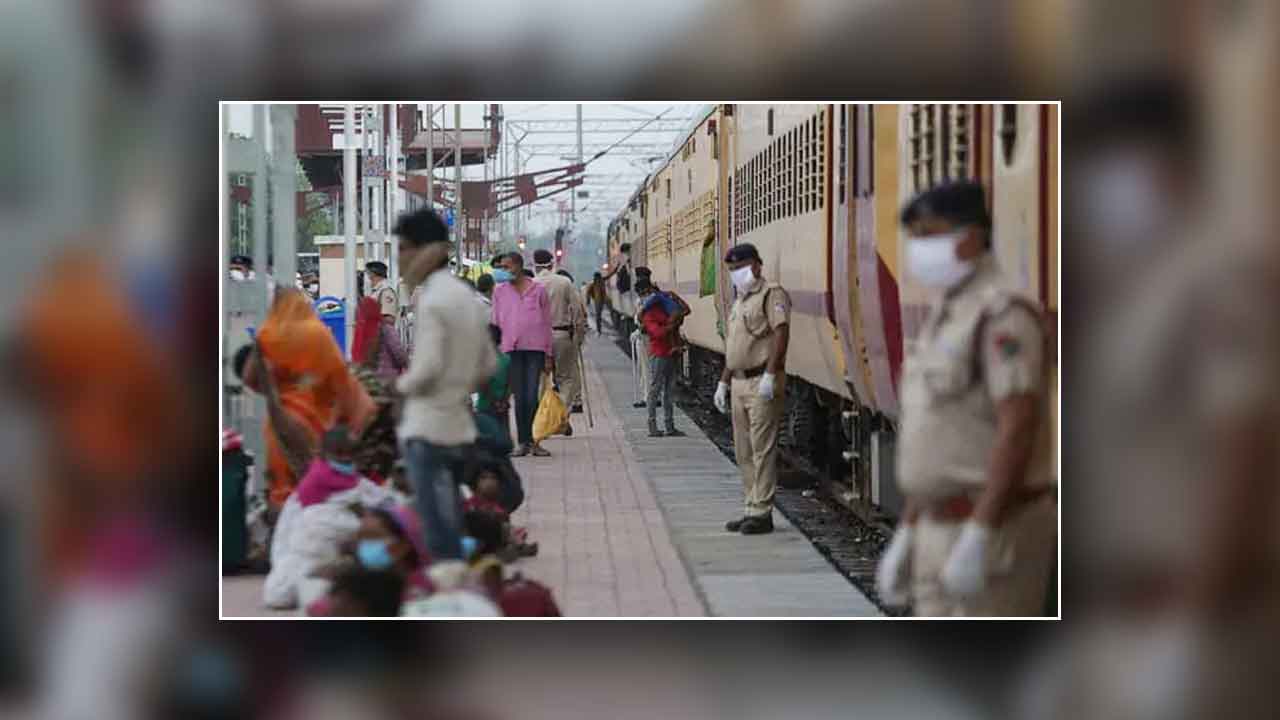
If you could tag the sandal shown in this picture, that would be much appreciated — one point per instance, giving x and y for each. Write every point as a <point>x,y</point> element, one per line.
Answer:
<point>539,451</point>
<point>520,451</point>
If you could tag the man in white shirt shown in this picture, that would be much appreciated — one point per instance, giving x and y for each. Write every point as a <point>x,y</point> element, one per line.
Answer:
<point>452,356</point>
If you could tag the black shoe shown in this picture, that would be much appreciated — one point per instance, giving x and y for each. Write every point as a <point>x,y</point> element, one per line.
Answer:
<point>637,405</point>
<point>761,525</point>
<point>654,431</point>
<point>735,525</point>
<point>576,410</point>
<point>673,432</point>
<point>568,430</point>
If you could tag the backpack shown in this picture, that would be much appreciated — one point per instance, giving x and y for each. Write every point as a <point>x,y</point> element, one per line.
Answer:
<point>624,279</point>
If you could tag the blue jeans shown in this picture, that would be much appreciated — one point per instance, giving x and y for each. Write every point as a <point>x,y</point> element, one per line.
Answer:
<point>435,471</point>
<point>524,375</point>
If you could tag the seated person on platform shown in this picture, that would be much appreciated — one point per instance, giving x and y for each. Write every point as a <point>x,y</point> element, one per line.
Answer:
<point>389,539</point>
<point>487,497</point>
<point>360,592</point>
<point>317,517</point>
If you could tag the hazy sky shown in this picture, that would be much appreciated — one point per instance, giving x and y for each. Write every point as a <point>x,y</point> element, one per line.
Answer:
<point>620,174</point>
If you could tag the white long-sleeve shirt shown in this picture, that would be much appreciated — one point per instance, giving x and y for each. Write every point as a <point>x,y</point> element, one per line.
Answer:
<point>452,354</point>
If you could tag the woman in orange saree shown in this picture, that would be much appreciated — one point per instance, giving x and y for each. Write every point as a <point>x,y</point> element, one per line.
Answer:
<point>308,389</point>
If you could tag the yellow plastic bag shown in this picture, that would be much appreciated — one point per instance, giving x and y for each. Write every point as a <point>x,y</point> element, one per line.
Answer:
<point>552,414</point>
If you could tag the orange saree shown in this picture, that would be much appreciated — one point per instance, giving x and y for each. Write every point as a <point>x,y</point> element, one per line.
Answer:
<point>315,388</point>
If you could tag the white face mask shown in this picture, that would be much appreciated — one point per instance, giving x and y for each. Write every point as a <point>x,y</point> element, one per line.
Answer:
<point>237,275</point>
<point>742,278</point>
<point>932,260</point>
<point>313,287</point>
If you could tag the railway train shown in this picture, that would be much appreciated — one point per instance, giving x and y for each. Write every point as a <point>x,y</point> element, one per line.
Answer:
<point>818,189</point>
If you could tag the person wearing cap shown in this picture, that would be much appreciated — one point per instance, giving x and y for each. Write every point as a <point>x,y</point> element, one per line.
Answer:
<point>241,267</point>
<point>567,325</point>
<point>754,376</point>
<point>452,356</point>
<point>380,289</point>
<point>977,533</point>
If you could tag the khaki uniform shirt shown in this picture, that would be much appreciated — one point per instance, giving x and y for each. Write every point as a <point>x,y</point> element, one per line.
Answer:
<point>386,297</point>
<point>561,295</point>
<point>752,320</point>
<point>950,387</point>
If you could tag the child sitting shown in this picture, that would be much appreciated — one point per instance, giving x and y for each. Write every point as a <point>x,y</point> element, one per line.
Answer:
<point>486,497</point>
<point>389,539</point>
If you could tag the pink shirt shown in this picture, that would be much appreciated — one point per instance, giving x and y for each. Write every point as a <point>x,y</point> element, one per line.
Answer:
<point>525,319</point>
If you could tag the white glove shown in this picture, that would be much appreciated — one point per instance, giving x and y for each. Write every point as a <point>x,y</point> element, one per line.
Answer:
<point>722,397</point>
<point>766,386</point>
<point>895,567</point>
<point>965,573</point>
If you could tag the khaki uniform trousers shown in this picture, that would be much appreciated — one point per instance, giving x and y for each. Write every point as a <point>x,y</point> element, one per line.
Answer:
<point>1021,556</point>
<point>756,422</point>
<point>565,351</point>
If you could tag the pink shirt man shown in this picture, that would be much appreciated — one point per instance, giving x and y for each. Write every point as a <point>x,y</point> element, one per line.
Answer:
<point>525,319</point>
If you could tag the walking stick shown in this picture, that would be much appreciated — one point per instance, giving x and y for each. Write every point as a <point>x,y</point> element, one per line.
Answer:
<point>582,383</point>
<point>635,373</point>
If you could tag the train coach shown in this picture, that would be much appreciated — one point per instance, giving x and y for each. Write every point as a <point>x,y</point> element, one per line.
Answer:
<point>818,188</point>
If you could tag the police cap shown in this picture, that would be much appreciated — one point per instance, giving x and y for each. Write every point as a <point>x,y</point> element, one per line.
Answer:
<point>960,203</point>
<point>745,251</point>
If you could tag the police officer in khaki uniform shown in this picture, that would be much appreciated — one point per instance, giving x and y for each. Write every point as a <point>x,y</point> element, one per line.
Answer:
<point>754,373</point>
<point>564,325</point>
<point>978,532</point>
<point>380,289</point>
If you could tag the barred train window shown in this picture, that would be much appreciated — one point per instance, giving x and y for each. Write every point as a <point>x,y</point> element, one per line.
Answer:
<point>939,140</point>
<point>843,147</point>
<point>792,174</point>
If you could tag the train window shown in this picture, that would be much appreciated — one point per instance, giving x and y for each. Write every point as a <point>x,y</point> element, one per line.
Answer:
<point>1008,131</point>
<point>802,165</point>
<point>668,188</point>
<point>913,133</point>
<point>944,157</point>
<point>959,141</point>
<point>822,158</point>
<point>793,174</point>
<point>690,181</point>
<point>770,116</point>
<point>842,149</point>
<point>930,144</point>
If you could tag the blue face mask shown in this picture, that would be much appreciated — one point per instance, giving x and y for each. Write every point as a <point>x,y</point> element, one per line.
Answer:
<point>469,546</point>
<point>501,276</point>
<point>344,468</point>
<point>373,554</point>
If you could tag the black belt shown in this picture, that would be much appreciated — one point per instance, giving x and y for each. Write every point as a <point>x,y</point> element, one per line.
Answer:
<point>565,328</point>
<point>750,372</point>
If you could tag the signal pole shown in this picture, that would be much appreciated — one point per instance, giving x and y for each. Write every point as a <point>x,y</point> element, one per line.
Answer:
<point>458,220</point>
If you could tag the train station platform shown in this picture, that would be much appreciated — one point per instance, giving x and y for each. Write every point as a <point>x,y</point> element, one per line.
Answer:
<point>633,526</point>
